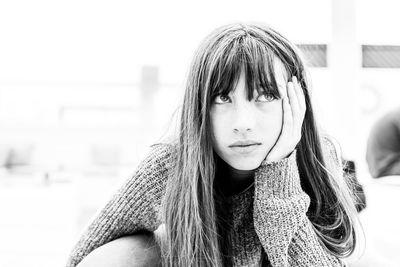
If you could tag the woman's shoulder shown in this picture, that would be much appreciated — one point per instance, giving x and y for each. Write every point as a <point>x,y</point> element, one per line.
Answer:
<point>160,155</point>
<point>152,171</point>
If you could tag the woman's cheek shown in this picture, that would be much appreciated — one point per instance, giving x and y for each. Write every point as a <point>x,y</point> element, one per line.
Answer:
<point>219,129</point>
<point>274,105</point>
<point>271,121</point>
<point>271,111</point>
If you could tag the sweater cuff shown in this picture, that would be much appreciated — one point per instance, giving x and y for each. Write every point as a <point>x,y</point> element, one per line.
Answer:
<point>279,179</point>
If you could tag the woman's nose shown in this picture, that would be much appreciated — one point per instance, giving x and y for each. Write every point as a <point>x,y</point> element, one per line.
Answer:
<point>244,119</point>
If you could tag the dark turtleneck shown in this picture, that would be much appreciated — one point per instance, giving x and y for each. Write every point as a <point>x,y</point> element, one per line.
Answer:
<point>229,181</point>
<point>232,181</point>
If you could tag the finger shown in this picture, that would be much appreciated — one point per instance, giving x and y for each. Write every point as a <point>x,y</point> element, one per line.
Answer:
<point>297,115</point>
<point>300,94</point>
<point>296,88</point>
<point>302,108</point>
<point>287,118</point>
<point>293,101</point>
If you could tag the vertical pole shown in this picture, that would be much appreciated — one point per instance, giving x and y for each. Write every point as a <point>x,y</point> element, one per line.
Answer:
<point>148,87</point>
<point>344,61</point>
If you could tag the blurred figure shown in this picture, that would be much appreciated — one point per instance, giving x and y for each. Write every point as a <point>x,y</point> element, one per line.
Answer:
<point>383,148</point>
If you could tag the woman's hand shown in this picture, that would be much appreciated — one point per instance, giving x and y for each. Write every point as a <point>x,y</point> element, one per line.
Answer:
<point>294,108</point>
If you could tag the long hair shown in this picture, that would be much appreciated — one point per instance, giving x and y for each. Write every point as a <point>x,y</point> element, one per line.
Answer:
<point>190,205</point>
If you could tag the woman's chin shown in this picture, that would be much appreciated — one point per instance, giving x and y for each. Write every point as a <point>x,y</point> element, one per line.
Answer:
<point>245,166</point>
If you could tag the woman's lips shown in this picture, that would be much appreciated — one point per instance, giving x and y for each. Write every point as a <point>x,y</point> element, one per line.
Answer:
<point>245,143</point>
<point>244,149</point>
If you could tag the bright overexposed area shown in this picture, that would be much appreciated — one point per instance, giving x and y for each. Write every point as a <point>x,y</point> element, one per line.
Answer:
<point>87,86</point>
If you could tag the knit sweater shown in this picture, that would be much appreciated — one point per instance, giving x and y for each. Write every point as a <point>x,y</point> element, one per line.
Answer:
<point>269,216</point>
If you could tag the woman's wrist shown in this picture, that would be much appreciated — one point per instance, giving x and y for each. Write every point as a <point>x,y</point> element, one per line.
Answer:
<point>279,178</point>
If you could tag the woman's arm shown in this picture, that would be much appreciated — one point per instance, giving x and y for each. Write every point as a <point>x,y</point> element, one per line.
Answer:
<point>280,207</point>
<point>133,208</point>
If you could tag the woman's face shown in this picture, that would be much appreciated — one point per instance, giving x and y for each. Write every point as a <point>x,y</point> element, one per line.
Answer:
<point>257,122</point>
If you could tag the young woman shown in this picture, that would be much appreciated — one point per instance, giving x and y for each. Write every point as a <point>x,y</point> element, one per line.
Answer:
<point>248,180</point>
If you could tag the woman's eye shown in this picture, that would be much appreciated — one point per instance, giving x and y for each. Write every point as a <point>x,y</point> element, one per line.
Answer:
<point>220,99</point>
<point>265,98</point>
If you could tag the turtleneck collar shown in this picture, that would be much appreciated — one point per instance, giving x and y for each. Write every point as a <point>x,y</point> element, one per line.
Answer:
<point>232,181</point>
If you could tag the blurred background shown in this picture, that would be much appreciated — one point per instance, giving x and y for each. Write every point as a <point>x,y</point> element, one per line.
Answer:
<point>86,86</point>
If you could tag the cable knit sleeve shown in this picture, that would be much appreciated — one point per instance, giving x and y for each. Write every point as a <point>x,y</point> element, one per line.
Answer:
<point>134,207</point>
<point>280,220</point>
